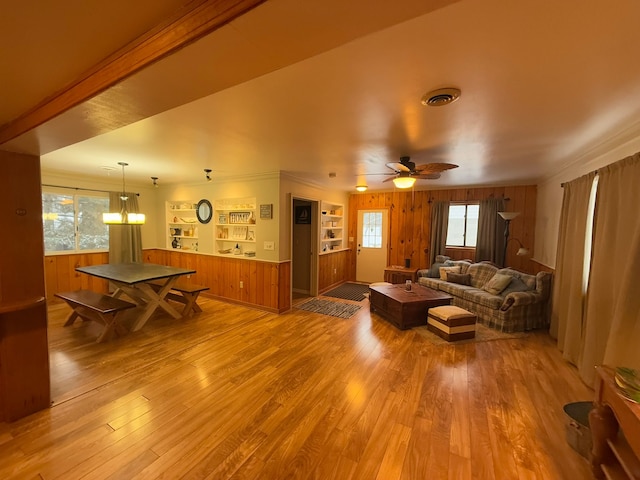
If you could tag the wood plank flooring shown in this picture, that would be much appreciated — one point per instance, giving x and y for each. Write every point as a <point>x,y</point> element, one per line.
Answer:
<point>236,393</point>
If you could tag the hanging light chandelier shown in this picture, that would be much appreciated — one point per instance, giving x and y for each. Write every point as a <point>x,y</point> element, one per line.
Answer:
<point>123,217</point>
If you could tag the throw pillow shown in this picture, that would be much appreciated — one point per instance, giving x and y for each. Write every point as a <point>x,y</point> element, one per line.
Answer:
<point>516,285</point>
<point>497,283</point>
<point>445,270</point>
<point>460,278</point>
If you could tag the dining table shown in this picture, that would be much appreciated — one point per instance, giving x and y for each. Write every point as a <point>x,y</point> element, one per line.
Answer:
<point>133,280</point>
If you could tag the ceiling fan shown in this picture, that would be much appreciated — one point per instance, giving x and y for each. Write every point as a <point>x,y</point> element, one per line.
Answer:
<point>405,172</point>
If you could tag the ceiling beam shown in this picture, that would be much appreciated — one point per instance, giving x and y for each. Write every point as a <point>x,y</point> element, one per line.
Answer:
<point>193,21</point>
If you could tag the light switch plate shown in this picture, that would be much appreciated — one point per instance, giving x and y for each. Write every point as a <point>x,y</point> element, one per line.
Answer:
<point>269,245</point>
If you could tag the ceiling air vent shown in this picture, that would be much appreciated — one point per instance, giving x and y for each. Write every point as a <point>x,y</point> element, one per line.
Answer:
<point>440,97</point>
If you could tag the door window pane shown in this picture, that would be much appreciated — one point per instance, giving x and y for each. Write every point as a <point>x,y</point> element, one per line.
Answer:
<point>372,230</point>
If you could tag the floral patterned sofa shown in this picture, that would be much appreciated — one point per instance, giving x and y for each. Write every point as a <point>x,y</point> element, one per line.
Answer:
<point>504,299</point>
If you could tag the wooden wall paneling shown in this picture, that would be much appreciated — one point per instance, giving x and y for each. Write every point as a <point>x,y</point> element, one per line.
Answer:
<point>260,298</point>
<point>274,277</point>
<point>50,278</point>
<point>284,283</point>
<point>24,354</point>
<point>24,359</point>
<point>410,228</point>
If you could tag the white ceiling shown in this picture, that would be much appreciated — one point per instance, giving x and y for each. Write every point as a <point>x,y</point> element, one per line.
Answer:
<point>543,84</point>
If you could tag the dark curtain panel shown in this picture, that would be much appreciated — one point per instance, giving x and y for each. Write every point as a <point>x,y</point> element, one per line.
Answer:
<point>125,241</point>
<point>490,244</point>
<point>439,224</point>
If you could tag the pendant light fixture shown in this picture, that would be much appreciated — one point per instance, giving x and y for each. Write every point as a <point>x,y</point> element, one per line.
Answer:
<point>123,217</point>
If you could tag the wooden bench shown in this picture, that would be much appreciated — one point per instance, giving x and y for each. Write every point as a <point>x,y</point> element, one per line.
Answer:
<point>187,295</point>
<point>101,308</point>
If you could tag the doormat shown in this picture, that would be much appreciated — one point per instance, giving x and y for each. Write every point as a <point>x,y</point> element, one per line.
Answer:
<point>329,307</point>
<point>349,291</point>
<point>483,334</point>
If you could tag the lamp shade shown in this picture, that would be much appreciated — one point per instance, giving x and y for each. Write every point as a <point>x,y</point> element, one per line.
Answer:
<point>404,182</point>
<point>118,218</point>
<point>361,188</point>
<point>522,252</point>
<point>508,215</point>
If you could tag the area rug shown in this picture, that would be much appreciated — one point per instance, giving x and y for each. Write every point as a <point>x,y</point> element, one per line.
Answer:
<point>349,291</point>
<point>329,307</point>
<point>483,334</point>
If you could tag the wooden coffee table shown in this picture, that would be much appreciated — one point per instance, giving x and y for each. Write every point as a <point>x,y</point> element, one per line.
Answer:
<point>405,309</point>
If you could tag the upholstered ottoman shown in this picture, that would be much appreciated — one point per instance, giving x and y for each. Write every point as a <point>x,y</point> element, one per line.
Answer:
<point>451,323</point>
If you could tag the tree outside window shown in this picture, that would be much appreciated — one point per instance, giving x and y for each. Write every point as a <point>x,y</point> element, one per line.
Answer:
<point>74,222</point>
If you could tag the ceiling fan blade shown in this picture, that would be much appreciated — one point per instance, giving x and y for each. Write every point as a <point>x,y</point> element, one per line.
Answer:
<point>388,179</point>
<point>435,167</point>
<point>427,176</point>
<point>398,167</point>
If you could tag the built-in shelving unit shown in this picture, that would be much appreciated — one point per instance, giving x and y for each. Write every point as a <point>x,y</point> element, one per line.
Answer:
<point>182,225</point>
<point>332,227</point>
<point>236,226</point>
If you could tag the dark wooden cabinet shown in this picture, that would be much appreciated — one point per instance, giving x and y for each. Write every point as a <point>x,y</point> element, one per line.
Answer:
<point>395,274</point>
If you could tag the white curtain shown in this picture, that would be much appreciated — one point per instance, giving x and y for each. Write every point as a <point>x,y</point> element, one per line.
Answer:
<point>567,311</point>
<point>612,333</point>
<point>603,325</point>
<point>125,241</point>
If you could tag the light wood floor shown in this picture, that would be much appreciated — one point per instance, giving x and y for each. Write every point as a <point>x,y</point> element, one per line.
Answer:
<point>238,393</point>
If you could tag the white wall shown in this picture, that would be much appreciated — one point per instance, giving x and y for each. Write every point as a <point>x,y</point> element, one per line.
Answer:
<point>550,194</point>
<point>265,189</point>
<point>293,188</point>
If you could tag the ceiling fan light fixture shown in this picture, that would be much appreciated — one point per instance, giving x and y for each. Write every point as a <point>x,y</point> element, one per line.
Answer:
<point>440,97</point>
<point>404,181</point>
<point>361,188</point>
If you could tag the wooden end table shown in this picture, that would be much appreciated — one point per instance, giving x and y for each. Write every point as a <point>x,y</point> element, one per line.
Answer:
<point>405,309</point>
<point>397,274</point>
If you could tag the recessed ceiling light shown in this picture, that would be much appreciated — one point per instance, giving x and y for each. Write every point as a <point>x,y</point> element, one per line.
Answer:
<point>440,97</point>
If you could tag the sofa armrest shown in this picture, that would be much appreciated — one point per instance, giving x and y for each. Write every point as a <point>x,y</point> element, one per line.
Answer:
<point>423,273</point>
<point>521,298</point>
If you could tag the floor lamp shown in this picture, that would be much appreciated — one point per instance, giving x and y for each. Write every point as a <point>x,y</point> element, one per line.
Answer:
<point>507,217</point>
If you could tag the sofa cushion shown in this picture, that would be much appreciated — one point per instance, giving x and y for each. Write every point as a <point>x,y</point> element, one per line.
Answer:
<point>454,289</point>
<point>463,264</point>
<point>528,280</point>
<point>481,273</point>
<point>445,270</point>
<point>429,282</point>
<point>497,283</point>
<point>434,270</point>
<point>516,285</point>
<point>460,278</point>
<point>481,297</point>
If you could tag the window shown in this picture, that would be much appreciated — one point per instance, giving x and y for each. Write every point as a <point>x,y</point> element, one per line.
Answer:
<point>74,222</point>
<point>463,225</point>
<point>372,230</point>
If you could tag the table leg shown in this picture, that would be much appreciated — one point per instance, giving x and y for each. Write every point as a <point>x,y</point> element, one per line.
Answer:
<point>604,426</point>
